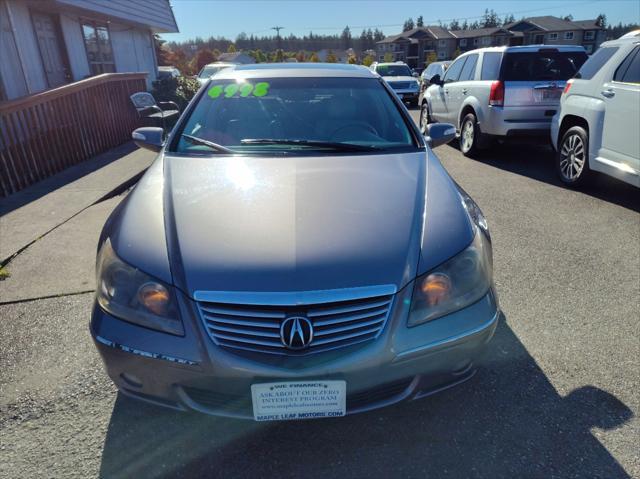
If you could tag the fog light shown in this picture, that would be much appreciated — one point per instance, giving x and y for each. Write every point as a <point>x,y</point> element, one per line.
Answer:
<point>131,380</point>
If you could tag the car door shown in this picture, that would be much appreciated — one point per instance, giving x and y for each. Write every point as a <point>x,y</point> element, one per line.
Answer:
<point>621,96</point>
<point>446,90</point>
<point>461,89</point>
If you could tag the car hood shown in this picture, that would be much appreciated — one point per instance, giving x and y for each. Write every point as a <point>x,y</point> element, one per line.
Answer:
<point>294,224</point>
<point>401,78</point>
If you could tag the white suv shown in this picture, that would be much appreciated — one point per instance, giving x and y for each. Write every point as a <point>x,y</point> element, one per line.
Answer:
<point>598,125</point>
<point>501,92</point>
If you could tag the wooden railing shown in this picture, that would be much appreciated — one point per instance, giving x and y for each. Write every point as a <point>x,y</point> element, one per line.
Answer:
<point>45,133</point>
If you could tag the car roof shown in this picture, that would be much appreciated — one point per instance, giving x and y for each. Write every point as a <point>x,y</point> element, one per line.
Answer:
<point>284,70</point>
<point>631,37</point>
<point>220,64</point>
<point>528,48</point>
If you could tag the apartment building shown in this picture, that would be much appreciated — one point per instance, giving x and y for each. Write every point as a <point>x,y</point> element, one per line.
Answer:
<point>414,46</point>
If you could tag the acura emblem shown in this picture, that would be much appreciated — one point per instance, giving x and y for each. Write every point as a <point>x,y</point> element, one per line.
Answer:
<point>296,332</point>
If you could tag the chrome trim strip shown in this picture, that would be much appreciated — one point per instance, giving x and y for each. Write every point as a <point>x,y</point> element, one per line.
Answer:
<point>294,298</point>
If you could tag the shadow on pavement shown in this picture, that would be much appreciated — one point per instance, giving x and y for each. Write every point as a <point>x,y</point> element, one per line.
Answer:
<point>537,161</point>
<point>69,175</point>
<point>508,421</point>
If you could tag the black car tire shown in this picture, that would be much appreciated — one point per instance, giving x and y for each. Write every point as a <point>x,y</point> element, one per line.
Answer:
<point>572,157</point>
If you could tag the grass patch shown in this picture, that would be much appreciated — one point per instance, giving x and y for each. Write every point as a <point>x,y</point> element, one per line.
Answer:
<point>4,273</point>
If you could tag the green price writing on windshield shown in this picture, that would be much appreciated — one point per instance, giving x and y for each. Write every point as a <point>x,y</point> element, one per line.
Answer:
<point>242,90</point>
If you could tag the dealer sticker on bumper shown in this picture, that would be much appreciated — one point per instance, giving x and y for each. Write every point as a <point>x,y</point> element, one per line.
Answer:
<point>298,400</point>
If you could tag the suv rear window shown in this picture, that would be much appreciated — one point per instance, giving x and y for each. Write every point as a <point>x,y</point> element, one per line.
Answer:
<point>596,62</point>
<point>541,65</point>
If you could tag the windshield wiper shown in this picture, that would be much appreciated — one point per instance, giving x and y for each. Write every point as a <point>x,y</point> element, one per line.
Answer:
<point>311,143</point>
<point>210,144</point>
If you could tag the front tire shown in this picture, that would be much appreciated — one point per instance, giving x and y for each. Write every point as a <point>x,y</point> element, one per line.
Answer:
<point>572,159</point>
<point>425,117</point>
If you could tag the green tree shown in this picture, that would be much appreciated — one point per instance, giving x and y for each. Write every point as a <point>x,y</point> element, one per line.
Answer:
<point>456,54</point>
<point>345,38</point>
<point>508,19</point>
<point>454,25</point>
<point>431,57</point>
<point>367,61</point>
<point>388,57</point>
<point>408,25</point>
<point>420,21</point>
<point>601,21</point>
<point>231,48</point>
<point>331,57</point>
<point>162,52</point>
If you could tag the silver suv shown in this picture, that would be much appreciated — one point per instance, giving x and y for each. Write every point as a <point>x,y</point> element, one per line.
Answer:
<point>500,92</point>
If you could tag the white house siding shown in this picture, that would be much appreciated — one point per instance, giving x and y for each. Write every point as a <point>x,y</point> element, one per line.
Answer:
<point>27,46</point>
<point>74,43</point>
<point>133,50</point>
<point>155,14</point>
<point>10,68</point>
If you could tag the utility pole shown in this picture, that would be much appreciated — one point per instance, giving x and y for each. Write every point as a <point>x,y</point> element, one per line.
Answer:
<point>277,29</point>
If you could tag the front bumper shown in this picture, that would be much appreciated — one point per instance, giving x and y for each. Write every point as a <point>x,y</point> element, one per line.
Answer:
<point>408,95</point>
<point>192,373</point>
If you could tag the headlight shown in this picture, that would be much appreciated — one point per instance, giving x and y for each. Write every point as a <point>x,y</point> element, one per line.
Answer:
<point>455,284</point>
<point>131,295</point>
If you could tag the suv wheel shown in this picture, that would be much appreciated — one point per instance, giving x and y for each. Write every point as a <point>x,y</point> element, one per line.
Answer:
<point>470,136</point>
<point>425,117</point>
<point>572,157</point>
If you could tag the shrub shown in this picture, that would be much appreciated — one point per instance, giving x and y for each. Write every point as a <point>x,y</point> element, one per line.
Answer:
<point>180,90</point>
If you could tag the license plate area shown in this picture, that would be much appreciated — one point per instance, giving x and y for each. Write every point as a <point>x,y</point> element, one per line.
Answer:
<point>287,401</point>
<point>548,94</point>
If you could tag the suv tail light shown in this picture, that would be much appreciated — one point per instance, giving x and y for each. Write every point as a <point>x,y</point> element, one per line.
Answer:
<point>567,86</point>
<point>496,96</point>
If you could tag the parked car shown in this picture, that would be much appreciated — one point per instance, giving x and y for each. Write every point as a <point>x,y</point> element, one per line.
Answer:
<point>501,92</point>
<point>400,78</point>
<point>598,125</point>
<point>167,72</point>
<point>274,252</point>
<point>434,68</point>
<point>211,69</point>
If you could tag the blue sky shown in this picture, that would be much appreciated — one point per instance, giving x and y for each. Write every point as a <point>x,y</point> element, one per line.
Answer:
<point>206,18</point>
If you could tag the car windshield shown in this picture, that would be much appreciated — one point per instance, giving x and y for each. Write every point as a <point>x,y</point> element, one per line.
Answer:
<point>207,71</point>
<point>393,70</point>
<point>294,115</point>
<point>542,65</point>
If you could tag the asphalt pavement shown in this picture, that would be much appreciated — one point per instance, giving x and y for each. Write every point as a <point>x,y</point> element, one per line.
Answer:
<point>556,396</point>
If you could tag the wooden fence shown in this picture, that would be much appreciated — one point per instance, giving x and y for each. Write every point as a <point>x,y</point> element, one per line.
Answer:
<point>42,134</point>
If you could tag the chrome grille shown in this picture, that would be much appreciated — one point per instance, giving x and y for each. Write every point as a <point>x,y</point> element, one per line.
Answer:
<point>399,85</point>
<point>256,328</point>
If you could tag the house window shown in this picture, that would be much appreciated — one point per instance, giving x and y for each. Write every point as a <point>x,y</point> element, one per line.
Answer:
<point>590,35</point>
<point>475,41</point>
<point>463,42</point>
<point>442,55</point>
<point>98,45</point>
<point>486,40</point>
<point>553,36</point>
<point>539,39</point>
<point>442,43</point>
<point>568,35</point>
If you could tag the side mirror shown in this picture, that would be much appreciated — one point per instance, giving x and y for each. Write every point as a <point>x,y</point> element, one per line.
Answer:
<point>435,80</point>
<point>437,134</point>
<point>415,75</point>
<point>148,137</point>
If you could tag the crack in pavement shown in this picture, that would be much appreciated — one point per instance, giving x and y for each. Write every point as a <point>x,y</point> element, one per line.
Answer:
<point>61,295</point>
